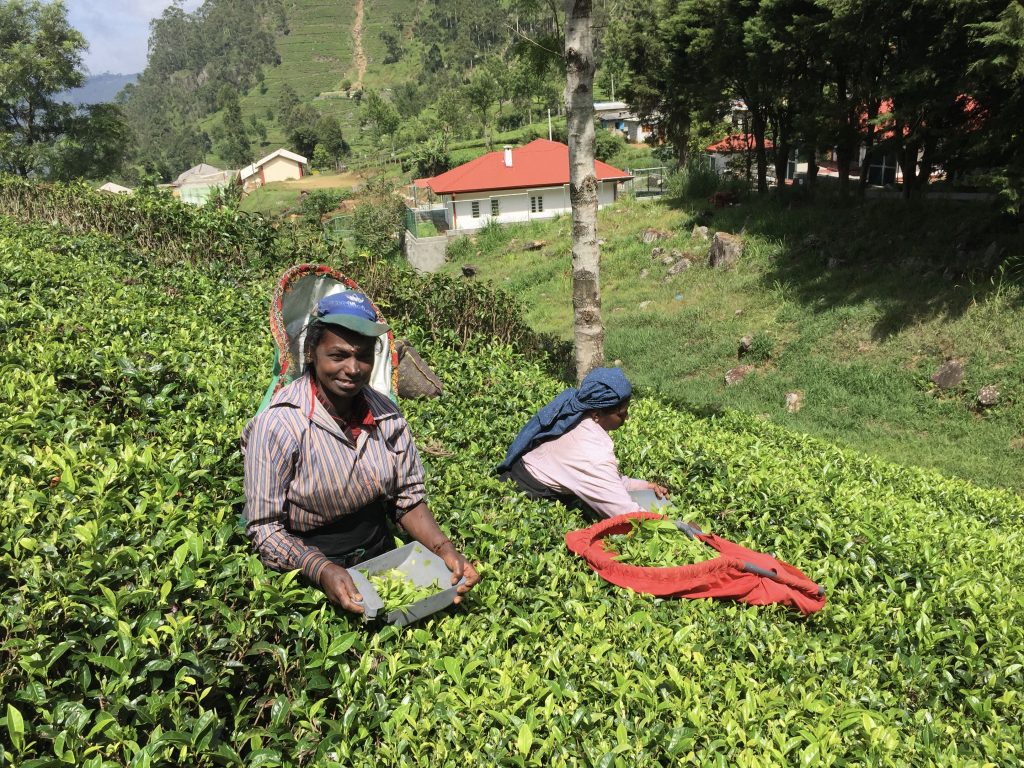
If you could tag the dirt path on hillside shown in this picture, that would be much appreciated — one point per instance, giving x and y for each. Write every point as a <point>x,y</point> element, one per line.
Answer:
<point>357,49</point>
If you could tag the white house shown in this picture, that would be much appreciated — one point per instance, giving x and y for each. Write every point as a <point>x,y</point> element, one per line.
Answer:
<point>516,184</point>
<point>279,165</point>
<point>617,116</point>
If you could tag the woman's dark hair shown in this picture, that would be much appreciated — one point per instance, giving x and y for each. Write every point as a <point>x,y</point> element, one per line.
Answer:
<point>613,408</point>
<point>314,333</point>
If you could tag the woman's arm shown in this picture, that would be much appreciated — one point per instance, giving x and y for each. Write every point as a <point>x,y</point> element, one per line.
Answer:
<point>420,524</point>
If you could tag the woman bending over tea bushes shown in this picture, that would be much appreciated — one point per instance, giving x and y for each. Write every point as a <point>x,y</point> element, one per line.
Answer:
<point>565,452</point>
<point>331,460</point>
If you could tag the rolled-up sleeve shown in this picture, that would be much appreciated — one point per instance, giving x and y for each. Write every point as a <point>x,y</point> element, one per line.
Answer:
<point>270,453</point>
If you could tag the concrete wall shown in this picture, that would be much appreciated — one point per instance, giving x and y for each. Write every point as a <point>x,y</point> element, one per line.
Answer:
<point>425,254</point>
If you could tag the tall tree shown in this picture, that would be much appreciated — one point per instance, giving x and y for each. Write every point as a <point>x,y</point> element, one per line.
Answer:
<point>40,56</point>
<point>588,329</point>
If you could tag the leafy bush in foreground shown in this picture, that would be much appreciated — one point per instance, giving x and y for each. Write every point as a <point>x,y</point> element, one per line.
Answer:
<point>137,628</point>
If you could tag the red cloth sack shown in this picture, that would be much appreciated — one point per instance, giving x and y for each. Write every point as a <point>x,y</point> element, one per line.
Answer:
<point>737,573</point>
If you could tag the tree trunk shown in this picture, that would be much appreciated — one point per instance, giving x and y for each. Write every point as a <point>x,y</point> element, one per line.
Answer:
<point>869,145</point>
<point>812,166</point>
<point>758,125</point>
<point>588,330</point>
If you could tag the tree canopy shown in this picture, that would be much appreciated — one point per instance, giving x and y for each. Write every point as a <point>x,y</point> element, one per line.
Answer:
<point>935,83</point>
<point>40,56</point>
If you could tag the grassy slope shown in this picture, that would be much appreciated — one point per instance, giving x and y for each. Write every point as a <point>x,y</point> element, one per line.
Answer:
<point>859,340</point>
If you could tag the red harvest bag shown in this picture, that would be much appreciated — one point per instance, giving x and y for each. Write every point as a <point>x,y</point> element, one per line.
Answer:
<point>737,573</point>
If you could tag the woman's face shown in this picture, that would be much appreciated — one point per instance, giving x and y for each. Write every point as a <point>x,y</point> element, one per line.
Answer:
<point>343,360</point>
<point>614,418</point>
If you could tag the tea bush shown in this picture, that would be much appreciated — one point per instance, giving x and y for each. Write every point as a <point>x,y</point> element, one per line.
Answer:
<point>137,627</point>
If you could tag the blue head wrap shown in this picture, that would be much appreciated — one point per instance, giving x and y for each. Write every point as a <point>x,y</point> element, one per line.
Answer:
<point>601,388</point>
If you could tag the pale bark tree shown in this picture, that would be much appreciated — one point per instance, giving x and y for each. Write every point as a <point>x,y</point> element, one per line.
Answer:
<point>588,330</point>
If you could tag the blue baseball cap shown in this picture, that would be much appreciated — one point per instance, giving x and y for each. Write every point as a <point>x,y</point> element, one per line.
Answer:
<point>351,310</point>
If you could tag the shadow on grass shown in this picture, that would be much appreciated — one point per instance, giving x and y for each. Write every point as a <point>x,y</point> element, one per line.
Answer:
<point>913,261</point>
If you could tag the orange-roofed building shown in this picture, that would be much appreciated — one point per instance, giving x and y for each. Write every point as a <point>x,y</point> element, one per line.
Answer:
<point>515,184</point>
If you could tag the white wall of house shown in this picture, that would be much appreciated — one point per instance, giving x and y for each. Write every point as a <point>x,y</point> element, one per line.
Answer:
<point>281,169</point>
<point>515,205</point>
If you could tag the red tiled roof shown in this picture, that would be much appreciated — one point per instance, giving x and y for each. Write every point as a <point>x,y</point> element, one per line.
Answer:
<point>541,163</point>
<point>737,142</point>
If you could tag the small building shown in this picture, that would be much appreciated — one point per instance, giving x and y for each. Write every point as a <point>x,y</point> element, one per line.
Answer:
<point>515,184</point>
<point>280,165</point>
<point>115,189</point>
<point>617,116</point>
<point>195,185</point>
<point>723,153</point>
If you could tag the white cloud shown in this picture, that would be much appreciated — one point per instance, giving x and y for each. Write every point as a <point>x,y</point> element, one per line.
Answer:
<point>117,31</point>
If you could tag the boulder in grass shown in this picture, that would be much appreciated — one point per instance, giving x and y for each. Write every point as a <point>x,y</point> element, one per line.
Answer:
<point>725,249</point>
<point>680,266</point>
<point>738,374</point>
<point>988,396</point>
<point>744,346</point>
<point>794,400</point>
<point>949,375</point>
<point>657,253</point>
<point>651,235</point>
<point>700,232</point>
<point>534,245</point>
<point>415,378</point>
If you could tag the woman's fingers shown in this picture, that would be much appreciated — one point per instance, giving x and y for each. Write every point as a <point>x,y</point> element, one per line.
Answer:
<point>461,569</point>
<point>340,589</point>
<point>659,490</point>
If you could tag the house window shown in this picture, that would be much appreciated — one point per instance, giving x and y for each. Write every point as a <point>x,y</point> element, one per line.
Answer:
<point>495,210</point>
<point>536,203</point>
<point>474,207</point>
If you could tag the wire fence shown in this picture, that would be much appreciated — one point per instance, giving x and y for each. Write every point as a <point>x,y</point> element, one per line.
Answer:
<point>648,182</point>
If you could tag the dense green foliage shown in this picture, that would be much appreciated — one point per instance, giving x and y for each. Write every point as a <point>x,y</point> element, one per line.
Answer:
<point>138,628</point>
<point>40,133</point>
<point>935,85</point>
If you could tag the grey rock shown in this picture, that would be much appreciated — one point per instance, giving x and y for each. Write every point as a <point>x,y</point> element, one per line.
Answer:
<point>988,396</point>
<point>725,250</point>
<point>644,272</point>
<point>651,235</point>
<point>738,374</point>
<point>680,266</point>
<point>700,232</point>
<point>643,305</point>
<point>666,260</point>
<point>794,400</point>
<point>832,262</point>
<point>949,375</point>
<point>534,245</point>
<point>744,346</point>
<point>677,254</point>
<point>657,252</point>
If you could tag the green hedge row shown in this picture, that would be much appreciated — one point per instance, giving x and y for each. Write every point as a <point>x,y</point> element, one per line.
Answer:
<point>137,628</point>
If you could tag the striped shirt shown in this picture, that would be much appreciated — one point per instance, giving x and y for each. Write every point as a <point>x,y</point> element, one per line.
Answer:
<point>303,472</point>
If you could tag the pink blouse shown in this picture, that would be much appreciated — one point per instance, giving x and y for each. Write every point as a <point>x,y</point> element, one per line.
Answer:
<point>582,462</point>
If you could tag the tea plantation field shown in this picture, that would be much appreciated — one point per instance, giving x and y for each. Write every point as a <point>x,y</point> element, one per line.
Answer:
<point>137,628</point>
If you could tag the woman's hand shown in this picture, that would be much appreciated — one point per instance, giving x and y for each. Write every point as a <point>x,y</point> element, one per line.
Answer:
<point>340,589</point>
<point>659,490</point>
<point>460,567</point>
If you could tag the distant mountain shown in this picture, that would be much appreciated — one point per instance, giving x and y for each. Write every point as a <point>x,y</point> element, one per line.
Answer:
<point>98,89</point>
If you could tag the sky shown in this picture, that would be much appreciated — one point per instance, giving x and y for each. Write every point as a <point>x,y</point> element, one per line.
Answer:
<point>117,31</point>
